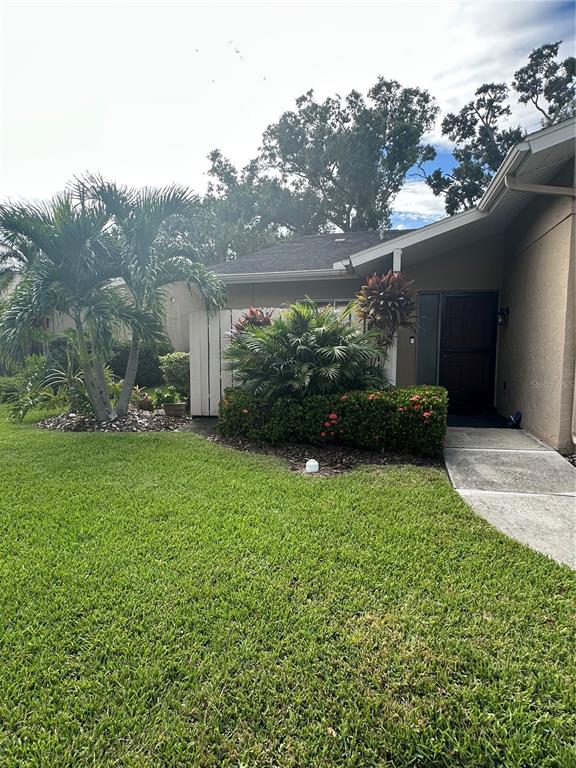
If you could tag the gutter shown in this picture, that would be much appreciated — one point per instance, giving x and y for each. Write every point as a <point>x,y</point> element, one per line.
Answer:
<point>282,277</point>
<point>514,185</point>
<point>511,165</point>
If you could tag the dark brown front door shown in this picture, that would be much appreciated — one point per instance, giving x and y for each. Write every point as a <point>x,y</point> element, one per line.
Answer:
<point>468,350</point>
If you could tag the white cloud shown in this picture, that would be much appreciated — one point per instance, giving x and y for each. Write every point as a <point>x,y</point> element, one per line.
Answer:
<point>142,90</point>
<point>416,201</point>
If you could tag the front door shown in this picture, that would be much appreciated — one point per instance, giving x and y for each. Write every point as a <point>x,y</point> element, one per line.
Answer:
<point>468,350</point>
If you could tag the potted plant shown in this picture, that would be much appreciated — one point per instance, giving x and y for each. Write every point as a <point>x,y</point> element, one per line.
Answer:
<point>141,399</point>
<point>170,399</point>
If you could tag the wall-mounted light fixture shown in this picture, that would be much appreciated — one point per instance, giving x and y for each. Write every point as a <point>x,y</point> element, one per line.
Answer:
<point>502,316</point>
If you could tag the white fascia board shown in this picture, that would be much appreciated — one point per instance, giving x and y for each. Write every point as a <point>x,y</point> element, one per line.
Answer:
<point>550,137</point>
<point>282,277</point>
<point>413,238</point>
<point>532,145</point>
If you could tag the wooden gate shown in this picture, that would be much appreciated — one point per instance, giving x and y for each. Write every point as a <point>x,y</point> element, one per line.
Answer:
<point>209,375</point>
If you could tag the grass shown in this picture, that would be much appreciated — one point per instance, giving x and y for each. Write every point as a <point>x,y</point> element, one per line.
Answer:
<point>169,602</point>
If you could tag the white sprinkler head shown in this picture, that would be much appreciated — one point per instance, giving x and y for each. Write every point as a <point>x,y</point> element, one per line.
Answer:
<point>311,465</point>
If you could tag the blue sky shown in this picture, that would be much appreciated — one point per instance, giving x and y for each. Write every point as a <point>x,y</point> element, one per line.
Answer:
<point>142,90</point>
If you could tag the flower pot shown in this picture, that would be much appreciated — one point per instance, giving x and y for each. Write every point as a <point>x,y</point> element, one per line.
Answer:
<point>175,410</point>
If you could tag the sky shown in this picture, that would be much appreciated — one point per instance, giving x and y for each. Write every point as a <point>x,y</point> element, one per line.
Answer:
<point>142,91</point>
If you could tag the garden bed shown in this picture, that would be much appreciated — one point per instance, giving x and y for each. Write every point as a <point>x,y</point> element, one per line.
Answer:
<point>332,459</point>
<point>134,421</point>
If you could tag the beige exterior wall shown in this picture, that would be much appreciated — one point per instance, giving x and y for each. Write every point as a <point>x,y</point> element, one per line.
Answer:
<point>474,268</point>
<point>536,351</point>
<point>243,295</point>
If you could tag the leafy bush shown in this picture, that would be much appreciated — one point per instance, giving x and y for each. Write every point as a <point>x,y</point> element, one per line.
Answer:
<point>149,372</point>
<point>40,383</point>
<point>411,419</point>
<point>167,396</point>
<point>9,386</point>
<point>308,350</point>
<point>387,303</point>
<point>176,371</point>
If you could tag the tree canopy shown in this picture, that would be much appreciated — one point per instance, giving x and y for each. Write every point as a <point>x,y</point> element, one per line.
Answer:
<point>480,131</point>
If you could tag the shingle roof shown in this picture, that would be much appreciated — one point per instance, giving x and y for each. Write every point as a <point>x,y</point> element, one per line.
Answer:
<point>307,252</point>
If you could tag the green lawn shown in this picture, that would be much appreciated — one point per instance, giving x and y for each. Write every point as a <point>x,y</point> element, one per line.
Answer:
<point>169,602</point>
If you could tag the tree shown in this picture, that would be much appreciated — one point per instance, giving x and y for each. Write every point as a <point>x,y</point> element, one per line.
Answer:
<point>72,272</point>
<point>549,85</point>
<point>481,144</point>
<point>148,258</point>
<point>479,130</point>
<point>242,212</point>
<point>347,159</point>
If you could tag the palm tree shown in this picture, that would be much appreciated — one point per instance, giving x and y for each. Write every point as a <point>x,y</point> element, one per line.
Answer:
<point>150,258</point>
<point>73,271</point>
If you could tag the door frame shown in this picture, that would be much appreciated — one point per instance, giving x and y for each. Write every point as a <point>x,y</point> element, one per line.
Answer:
<point>442,295</point>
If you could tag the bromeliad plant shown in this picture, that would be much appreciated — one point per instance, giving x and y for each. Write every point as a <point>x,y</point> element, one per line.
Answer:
<point>255,317</point>
<point>386,303</point>
<point>307,350</point>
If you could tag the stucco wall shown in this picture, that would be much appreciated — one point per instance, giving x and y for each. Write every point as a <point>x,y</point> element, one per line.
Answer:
<point>478,266</point>
<point>276,294</point>
<point>536,351</point>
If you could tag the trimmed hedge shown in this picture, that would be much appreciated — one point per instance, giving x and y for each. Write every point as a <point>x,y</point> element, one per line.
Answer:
<point>405,420</point>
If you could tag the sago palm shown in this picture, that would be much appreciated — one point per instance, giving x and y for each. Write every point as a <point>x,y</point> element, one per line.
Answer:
<point>306,350</point>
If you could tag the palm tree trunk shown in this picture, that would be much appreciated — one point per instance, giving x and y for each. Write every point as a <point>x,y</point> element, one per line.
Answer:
<point>100,401</point>
<point>129,375</point>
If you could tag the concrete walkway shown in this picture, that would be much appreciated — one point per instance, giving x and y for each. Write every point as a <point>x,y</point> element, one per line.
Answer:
<point>518,484</point>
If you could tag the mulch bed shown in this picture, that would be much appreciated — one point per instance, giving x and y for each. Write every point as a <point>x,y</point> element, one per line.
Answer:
<point>134,421</point>
<point>332,459</point>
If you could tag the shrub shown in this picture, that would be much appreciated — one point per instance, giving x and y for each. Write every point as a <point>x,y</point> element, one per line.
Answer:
<point>9,386</point>
<point>387,303</point>
<point>405,420</point>
<point>176,371</point>
<point>149,373</point>
<point>254,317</point>
<point>308,350</point>
<point>167,396</point>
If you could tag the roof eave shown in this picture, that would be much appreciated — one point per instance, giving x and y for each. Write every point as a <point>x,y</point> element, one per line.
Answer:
<point>233,278</point>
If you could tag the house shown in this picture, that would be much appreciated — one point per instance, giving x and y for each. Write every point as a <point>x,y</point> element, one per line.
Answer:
<point>495,289</point>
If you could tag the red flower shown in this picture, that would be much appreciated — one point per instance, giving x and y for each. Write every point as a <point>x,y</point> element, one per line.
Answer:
<point>322,434</point>
<point>401,409</point>
<point>344,397</point>
<point>414,398</point>
<point>245,410</point>
<point>327,423</point>
<point>426,414</point>
<point>333,416</point>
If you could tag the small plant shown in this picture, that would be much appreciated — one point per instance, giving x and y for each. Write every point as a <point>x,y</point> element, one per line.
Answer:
<point>386,303</point>
<point>176,371</point>
<point>254,317</point>
<point>141,399</point>
<point>167,396</point>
